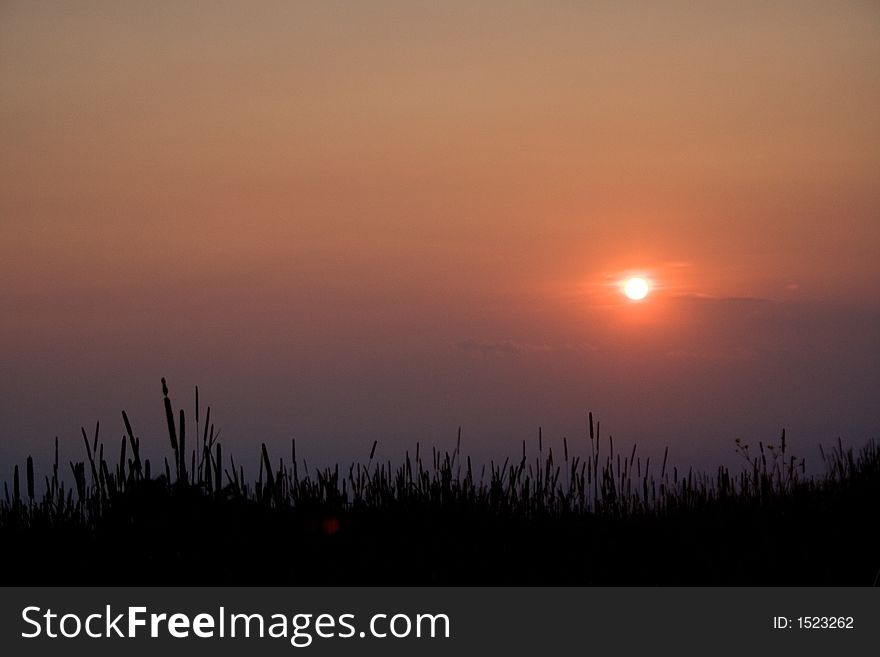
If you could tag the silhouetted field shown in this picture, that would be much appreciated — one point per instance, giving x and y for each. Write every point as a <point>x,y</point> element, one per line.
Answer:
<point>602,518</point>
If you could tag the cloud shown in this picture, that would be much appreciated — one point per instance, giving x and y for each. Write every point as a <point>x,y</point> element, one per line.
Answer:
<point>515,348</point>
<point>499,347</point>
<point>713,356</point>
<point>709,298</point>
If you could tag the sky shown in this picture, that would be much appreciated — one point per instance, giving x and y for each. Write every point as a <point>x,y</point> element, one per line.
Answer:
<point>349,221</point>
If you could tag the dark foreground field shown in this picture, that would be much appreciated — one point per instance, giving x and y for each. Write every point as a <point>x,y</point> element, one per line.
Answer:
<point>604,518</point>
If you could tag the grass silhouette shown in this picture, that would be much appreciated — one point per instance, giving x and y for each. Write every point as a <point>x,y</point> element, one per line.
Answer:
<point>605,517</point>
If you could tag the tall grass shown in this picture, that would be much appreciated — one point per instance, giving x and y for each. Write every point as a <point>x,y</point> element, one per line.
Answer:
<point>600,482</point>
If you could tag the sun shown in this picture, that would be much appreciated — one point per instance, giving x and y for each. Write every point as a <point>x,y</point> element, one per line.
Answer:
<point>636,288</point>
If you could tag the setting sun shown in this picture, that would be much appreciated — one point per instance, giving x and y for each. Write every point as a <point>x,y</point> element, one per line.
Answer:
<point>365,231</point>
<point>636,288</point>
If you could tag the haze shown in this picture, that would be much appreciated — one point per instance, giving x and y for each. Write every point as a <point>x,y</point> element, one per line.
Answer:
<point>350,221</point>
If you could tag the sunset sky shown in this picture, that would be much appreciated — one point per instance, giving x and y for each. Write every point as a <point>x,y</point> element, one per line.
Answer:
<point>349,221</point>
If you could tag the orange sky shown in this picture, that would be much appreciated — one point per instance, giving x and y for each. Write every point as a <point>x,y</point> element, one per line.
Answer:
<point>321,195</point>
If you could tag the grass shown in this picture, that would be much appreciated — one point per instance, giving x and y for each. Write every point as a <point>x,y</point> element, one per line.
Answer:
<point>600,517</point>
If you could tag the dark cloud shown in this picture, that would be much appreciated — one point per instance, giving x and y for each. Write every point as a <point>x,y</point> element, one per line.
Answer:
<point>500,347</point>
<point>513,347</point>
